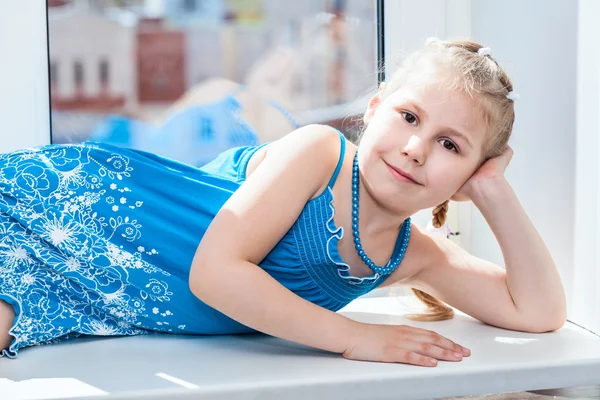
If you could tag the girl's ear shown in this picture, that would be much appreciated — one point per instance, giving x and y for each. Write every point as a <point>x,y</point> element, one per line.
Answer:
<point>373,103</point>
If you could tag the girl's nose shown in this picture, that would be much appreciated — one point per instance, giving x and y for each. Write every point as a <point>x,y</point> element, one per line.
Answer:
<point>415,149</point>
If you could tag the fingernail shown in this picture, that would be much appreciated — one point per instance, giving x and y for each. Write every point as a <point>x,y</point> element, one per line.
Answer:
<point>466,351</point>
<point>458,355</point>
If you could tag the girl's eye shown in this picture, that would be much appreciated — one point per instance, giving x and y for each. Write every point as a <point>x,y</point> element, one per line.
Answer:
<point>449,145</point>
<point>410,118</point>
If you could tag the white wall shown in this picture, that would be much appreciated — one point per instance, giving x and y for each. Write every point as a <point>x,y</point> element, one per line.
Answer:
<point>536,42</point>
<point>24,95</point>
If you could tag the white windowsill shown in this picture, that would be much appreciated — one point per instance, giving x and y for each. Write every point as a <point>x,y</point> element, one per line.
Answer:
<point>252,366</point>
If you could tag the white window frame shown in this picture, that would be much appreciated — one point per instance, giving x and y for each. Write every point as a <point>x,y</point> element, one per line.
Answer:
<point>24,89</point>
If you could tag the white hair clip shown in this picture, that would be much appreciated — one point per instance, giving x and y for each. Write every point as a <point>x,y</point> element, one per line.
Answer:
<point>431,40</point>
<point>512,95</point>
<point>484,51</point>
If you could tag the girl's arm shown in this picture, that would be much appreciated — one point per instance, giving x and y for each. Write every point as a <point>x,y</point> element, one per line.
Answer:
<point>528,295</point>
<point>531,275</point>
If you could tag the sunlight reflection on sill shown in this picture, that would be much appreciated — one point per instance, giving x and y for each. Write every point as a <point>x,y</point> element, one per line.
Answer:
<point>47,388</point>
<point>513,340</point>
<point>177,381</point>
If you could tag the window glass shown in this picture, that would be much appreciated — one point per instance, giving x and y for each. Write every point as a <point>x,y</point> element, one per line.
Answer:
<point>169,75</point>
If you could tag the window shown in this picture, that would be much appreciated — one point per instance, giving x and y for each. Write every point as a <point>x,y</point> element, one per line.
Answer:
<point>104,73</point>
<point>78,73</point>
<point>286,63</point>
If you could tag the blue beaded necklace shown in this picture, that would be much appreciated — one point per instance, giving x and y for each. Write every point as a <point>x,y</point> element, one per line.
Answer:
<point>401,242</point>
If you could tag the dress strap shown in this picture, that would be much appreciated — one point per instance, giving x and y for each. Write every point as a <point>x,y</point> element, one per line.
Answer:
<point>341,160</point>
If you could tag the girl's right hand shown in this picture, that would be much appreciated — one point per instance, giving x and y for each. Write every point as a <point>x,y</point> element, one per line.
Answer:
<point>401,344</point>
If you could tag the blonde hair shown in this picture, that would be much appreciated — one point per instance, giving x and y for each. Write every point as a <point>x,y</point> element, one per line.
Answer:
<point>478,76</point>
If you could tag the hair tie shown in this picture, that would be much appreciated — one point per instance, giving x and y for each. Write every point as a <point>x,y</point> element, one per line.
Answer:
<point>484,51</point>
<point>512,95</point>
<point>431,40</point>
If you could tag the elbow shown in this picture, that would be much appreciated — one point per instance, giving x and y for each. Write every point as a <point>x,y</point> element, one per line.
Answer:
<point>197,280</point>
<point>557,322</point>
<point>549,324</point>
<point>201,278</point>
<point>554,326</point>
<point>206,275</point>
<point>550,318</point>
<point>556,319</point>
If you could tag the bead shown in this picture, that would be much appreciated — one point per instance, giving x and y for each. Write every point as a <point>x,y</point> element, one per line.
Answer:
<point>355,220</point>
<point>355,213</point>
<point>357,240</point>
<point>361,253</point>
<point>355,228</point>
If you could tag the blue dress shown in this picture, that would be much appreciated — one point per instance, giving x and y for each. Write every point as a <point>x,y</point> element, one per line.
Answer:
<point>97,239</point>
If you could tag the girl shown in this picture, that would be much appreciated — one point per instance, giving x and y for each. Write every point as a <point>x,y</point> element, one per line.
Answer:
<point>101,240</point>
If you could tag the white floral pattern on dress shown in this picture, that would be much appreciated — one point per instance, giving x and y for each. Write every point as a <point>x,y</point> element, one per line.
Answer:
<point>59,264</point>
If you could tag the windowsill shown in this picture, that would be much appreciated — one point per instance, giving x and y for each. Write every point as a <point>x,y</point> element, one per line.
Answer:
<point>244,366</point>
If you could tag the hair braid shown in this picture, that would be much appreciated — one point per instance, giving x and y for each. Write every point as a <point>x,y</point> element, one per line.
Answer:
<point>439,214</point>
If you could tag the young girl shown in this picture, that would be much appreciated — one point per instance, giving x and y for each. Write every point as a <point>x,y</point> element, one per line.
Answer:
<point>101,240</point>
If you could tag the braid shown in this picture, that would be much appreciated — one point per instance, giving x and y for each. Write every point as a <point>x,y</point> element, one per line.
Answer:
<point>437,310</point>
<point>439,214</point>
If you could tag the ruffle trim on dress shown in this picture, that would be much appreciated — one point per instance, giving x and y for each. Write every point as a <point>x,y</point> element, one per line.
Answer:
<point>337,233</point>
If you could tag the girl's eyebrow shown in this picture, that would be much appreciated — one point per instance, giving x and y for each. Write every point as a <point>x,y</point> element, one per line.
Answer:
<point>460,135</point>
<point>453,132</point>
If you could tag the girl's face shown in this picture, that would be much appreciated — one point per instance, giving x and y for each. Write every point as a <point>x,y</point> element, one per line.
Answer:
<point>433,134</point>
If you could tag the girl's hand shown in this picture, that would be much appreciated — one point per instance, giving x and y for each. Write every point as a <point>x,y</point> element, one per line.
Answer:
<point>401,344</point>
<point>489,171</point>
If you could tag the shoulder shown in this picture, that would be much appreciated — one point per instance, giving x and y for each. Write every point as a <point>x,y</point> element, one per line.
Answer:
<point>318,140</point>
<point>315,148</point>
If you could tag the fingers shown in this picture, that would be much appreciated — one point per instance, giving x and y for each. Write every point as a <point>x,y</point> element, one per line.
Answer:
<point>431,350</point>
<point>403,344</point>
<point>410,357</point>
<point>424,347</point>
<point>443,342</point>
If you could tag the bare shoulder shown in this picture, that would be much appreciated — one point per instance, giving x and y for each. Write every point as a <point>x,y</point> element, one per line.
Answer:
<point>316,144</point>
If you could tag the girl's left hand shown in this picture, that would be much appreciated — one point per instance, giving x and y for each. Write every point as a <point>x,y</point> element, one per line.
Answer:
<point>489,171</point>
